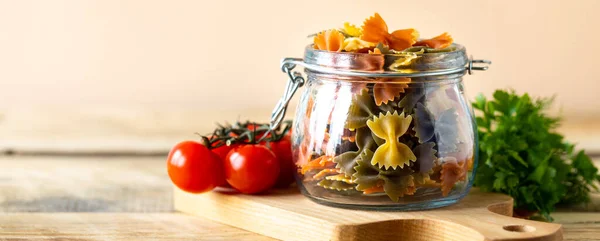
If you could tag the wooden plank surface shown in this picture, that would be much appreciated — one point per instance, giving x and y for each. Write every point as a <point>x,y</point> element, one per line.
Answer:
<point>117,131</point>
<point>102,184</point>
<point>94,184</point>
<point>579,225</point>
<point>174,226</point>
<point>93,130</point>
<point>116,226</point>
<point>286,214</point>
<point>130,184</point>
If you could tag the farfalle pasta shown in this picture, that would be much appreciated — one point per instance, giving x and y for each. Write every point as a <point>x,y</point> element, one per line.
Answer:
<point>392,153</point>
<point>354,44</point>
<point>452,172</point>
<point>351,30</point>
<point>439,42</point>
<point>335,185</point>
<point>426,158</point>
<point>325,172</point>
<point>371,179</point>
<point>340,178</point>
<point>361,110</point>
<point>386,90</point>
<point>393,148</point>
<point>322,162</point>
<point>446,131</point>
<point>330,40</point>
<point>380,134</point>
<point>347,161</point>
<point>374,31</point>
<point>424,129</point>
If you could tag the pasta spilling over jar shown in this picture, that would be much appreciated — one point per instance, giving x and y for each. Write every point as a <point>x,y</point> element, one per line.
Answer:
<point>383,121</point>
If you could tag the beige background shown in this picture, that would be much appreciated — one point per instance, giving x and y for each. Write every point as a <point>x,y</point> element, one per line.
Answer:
<point>224,55</point>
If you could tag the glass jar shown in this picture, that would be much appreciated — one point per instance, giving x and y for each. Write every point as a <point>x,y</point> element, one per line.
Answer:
<point>383,131</point>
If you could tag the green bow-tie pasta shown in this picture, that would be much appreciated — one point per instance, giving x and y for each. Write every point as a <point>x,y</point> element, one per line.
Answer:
<point>395,183</point>
<point>398,186</point>
<point>366,175</point>
<point>378,141</point>
<point>347,161</point>
<point>421,178</point>
<point>362,109</point>
<point>408,102</point>
<point>389,107</point>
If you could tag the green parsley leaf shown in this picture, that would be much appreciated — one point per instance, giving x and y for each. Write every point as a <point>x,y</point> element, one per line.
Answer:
<point>522,155</point>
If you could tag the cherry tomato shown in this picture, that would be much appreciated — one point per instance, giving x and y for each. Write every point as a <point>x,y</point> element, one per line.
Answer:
<point>222,152</point>
<point>283,152</point>
<point>194,168</point>
<point>251,168</point>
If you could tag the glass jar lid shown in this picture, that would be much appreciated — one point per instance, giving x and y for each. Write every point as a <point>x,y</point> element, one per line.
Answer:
<point>416,62</point>
<point>412,63</point>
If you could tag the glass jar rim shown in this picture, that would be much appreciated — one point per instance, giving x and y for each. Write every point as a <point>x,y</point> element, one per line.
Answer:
<point>440,64</point>
<point>403,64</point>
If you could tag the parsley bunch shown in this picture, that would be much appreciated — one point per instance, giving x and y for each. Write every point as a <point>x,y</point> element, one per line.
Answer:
<point>522,155</point>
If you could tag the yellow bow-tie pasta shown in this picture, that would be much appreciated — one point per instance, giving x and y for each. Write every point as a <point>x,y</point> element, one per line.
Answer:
<point>392,153</point>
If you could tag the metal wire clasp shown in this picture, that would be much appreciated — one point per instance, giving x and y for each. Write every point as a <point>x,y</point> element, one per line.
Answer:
<point>471,66</point>
<point>295,81</point>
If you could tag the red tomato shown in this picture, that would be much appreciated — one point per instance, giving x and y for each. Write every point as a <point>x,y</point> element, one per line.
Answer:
<point>194,168</point>
<point>283,152</point>
<point>222,152</point>
<point>251,168</point>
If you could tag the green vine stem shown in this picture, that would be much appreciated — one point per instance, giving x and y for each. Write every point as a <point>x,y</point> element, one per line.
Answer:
<point>244,133</point>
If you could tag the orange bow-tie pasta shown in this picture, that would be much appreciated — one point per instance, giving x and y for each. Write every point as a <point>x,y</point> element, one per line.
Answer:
<point>376,30</point>
<point>350,38</point>
<point>439,42</point>
<point>330,40</point>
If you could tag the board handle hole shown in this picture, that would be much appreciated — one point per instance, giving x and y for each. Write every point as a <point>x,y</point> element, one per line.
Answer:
<point>519,228</point>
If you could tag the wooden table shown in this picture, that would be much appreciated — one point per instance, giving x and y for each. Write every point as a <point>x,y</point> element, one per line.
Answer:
<point>99,176</point>
<point>97,198</point>
<point>124,198</point>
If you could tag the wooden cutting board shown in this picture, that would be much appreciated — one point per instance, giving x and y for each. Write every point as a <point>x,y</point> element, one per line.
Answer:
<point>287,215</point>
